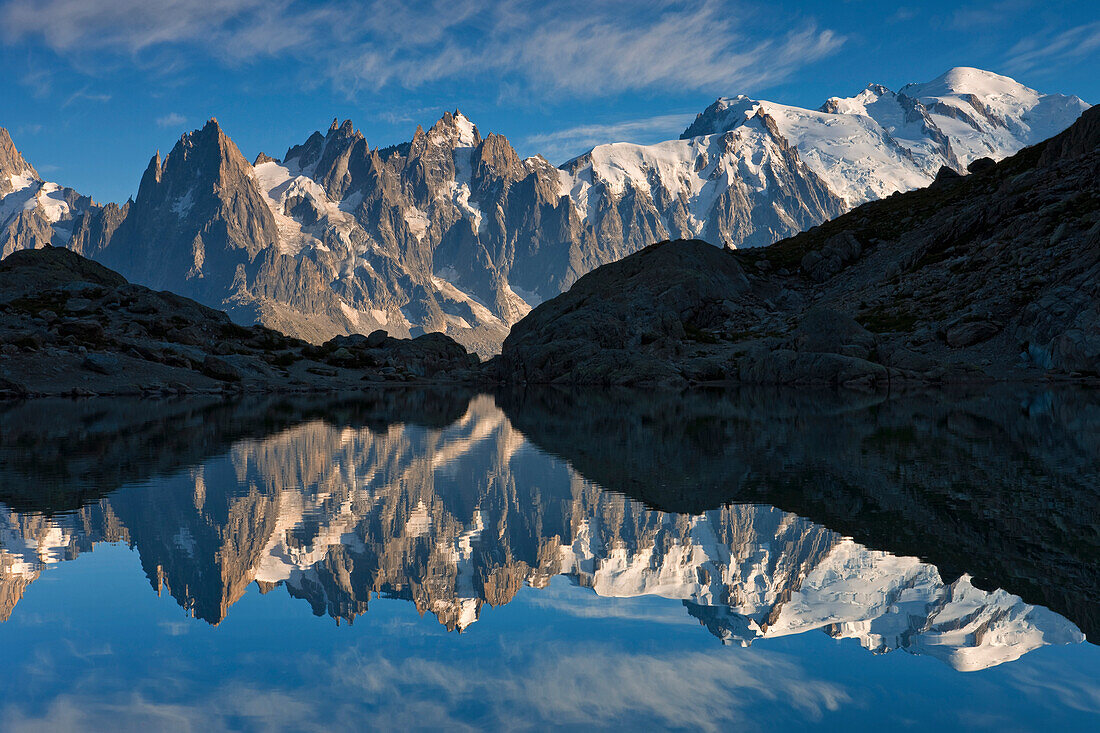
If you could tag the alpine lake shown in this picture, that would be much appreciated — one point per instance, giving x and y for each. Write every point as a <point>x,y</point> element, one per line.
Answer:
<point>553,559</point>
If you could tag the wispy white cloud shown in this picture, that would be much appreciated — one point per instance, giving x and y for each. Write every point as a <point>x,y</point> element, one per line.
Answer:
<point>172,119</point>
<point>586,49</point>
<point>573,47</point>
<point>39,81</point>
<point>85,94</point>
<point>575,689</point>
<point>987,14</point>
<point>129,25</point>
<point>591,687</point>
<point>903,15</point>
<point>1053,50</point>
<point>561,145</point>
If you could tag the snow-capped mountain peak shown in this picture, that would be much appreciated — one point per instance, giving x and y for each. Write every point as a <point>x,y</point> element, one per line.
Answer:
<point>986,114</point>
<point>965,80</point>
<point>468,135</point>
<point>35,212</point>
<point>723,114</point>
<point>878,141</point>
<point>451,231</point>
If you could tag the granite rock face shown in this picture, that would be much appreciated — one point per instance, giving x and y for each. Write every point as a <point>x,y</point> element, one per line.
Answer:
<point>202,207</point>
<point>988,276</point>
<point>12,163</point>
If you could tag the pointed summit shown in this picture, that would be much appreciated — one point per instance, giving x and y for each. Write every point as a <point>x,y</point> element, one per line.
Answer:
<point>12,162</point>
<point>151,177</point>
<point>201,207</point>
<point>467,131</point>
<point>456,128</point>
<point>723,114</point>
<point>307,153</point>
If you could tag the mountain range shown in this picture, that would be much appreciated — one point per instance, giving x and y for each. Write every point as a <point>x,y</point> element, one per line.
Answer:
<point>452,231</point>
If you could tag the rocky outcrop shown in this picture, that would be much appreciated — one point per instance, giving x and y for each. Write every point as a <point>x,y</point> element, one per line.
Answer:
<point>627,321</point>
<point>70,325</point>
<point>12,163</point>
<point>203,209</point>
<point>988,276</point>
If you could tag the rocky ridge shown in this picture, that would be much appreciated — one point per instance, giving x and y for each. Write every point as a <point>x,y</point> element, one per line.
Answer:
<point>36,213</point>
<point>991,275</point>
<point>69,325</point>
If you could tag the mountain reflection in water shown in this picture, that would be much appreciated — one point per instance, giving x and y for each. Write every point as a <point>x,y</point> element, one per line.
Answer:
<point>766,514</point>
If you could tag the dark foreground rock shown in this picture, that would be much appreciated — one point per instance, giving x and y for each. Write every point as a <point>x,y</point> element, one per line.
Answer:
<point>991,276</point>
<point>71,326</point>
<point>628,321</point>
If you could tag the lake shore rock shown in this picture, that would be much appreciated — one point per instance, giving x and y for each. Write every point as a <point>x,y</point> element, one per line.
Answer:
<point>69,325</point>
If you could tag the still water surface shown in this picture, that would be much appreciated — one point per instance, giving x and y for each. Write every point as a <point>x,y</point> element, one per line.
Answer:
<point>551,559</point>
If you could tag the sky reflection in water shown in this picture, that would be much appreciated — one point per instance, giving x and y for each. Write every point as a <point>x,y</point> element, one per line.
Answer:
<point>418,515</point>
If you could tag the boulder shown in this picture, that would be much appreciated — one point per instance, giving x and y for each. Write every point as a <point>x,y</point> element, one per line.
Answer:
<point>789,367</point>
<point>838,251</point>
<point>969,333</point>
<point>220,369</point>
<point>945,175</point>
<point>829,331</point>
<point>981,165</point>
<point>78,305</point>
<point>896,356</point>
<point>1077,350</point>
<point>11,389</point>
<point>102,363</point>
<point>83,330</point>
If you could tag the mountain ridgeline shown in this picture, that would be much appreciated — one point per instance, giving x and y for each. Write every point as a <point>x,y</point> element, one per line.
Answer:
<point>454,232</point>
<point>992,275</point>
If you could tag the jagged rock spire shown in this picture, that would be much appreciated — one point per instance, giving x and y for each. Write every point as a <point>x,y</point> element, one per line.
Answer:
<point>12,162</point>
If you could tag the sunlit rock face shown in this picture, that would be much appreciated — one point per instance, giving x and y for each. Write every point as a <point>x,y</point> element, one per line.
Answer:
<point>459,512</point>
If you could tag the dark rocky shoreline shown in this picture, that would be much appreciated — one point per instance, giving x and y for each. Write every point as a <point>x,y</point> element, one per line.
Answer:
<point>69,326</point>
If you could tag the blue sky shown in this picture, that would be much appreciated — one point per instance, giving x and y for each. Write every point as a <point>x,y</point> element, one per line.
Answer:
<point>91,88</point>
